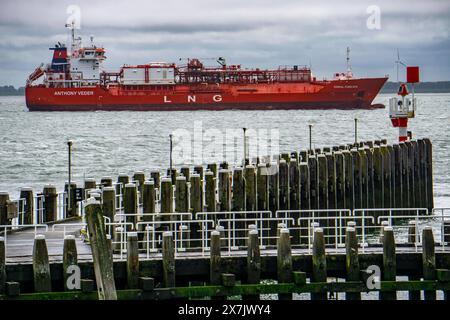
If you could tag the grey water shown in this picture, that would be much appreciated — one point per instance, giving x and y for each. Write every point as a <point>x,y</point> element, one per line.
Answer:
<point>33,146</point>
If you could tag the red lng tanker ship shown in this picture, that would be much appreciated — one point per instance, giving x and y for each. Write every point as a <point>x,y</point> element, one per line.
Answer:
<point>75,81</point>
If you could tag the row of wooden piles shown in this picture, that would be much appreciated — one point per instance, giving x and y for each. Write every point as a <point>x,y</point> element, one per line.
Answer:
<point>371,174</point>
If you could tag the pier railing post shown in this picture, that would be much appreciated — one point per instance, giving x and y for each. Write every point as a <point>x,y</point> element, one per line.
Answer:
<point>148,199</point>
<point>238,196</point>
<point>349,183</point>
<point>250,187</point>
<point>41,266</point>
<point>429,174</point>
<point>319,263</point>
<point>273,198</point>
<point>352,261</point>
<point>387,190</point>
<point>166,198</point>
<point>122,180</point>
<point>109,203</point>
<point>70,257</point>
<point>215,260</point>
<point>71,204</point>
<point>168,257</point>
<point>106,181</point>
<point>27,195</point>
<point>101,254</point>
<point>389,271</point>
<point>284,262</point>
<point>224,190</point>
<point>50,203</point>
<point>340,180</point>
<point>262,196</point>
<point>4,198</point>
<point>196,206</point>
<point>139,177</point>
<point>304,199</point>
<point>130,202</point>
<point>181,195</point>
<point>253,262</point>
<point>132,261</point>
<point>283,177</point>
<point>210,191</point>
<point>2,265</point>
<point>322,169</point>
<point>428,260</point>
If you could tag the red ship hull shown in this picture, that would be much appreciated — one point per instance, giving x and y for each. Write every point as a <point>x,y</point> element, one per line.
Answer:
<point>336,94</point>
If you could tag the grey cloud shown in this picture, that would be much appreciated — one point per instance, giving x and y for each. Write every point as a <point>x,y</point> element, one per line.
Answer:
<point>252,33</point>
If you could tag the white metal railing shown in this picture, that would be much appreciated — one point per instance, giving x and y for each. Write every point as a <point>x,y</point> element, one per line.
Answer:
<point>119,217</point>
<point>19,205</point>
<point>334,233</point>
<point>236,236</point>
<point>83,225</point>
<point>119,196</point>
<point>62,203</point>
<point>192,231</point>
<point>234,215</point>
<point>235,225</point>
<point>444,215</point>
<point>4,231</point>
<point>150,233</point>
<point>39,209</point>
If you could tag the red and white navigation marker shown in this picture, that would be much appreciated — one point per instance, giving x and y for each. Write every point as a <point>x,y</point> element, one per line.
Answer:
<point>402,108</point>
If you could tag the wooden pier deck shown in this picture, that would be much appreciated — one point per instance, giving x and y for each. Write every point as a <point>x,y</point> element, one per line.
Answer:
<point>19,248</point>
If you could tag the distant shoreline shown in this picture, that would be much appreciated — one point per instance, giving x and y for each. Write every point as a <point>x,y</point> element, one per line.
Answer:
<point>423,87</point>
<point>389,87</point>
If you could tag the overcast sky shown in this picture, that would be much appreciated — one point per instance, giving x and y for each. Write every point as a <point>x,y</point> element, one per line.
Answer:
<point>254,33</point>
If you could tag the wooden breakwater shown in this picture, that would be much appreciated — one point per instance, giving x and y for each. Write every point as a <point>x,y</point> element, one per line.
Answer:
<point>371,174</point>
<point>217,275</point>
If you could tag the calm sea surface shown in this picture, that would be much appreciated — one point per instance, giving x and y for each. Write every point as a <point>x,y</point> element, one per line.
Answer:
<point>33,149</point>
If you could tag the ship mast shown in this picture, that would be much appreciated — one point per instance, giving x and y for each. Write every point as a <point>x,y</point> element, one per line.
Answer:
<point>349,67</point>
<point>75,42</point>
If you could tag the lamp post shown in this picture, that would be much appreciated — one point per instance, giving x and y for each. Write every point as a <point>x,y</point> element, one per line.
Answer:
<point>356,132</point>
<point>69,145</point>
<point>245,147</point>
<point>310,137</point>
<point>170,155</point>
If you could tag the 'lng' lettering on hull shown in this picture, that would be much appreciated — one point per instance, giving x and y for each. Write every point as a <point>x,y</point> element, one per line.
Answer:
<point>193,99</point>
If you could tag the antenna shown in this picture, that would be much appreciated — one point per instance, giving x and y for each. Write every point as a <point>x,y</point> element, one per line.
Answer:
<point>349,67</point>
<point>399,62</point>
<point>71,26</point>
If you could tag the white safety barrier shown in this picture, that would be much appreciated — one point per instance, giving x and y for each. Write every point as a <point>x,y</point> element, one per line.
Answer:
<point>4,231</point>
<point>192,231</point>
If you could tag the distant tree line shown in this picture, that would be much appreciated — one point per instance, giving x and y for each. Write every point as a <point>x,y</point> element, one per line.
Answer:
<point>422,87</point>
<point>11,91</point>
